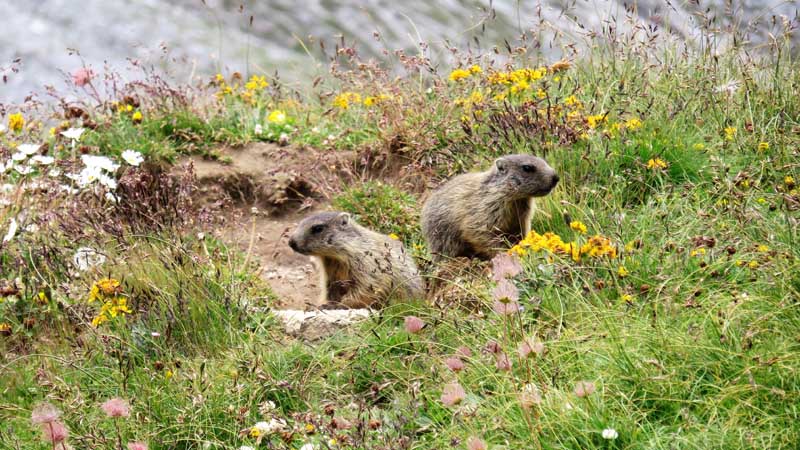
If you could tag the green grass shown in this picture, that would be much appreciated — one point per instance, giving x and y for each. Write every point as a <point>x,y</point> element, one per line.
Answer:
<point>695,348</point>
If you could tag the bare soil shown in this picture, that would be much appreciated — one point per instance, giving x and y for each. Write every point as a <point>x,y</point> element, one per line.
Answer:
<point>272,189</point>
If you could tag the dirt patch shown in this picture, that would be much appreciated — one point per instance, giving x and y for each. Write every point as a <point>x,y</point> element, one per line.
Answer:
<point>272,189</point>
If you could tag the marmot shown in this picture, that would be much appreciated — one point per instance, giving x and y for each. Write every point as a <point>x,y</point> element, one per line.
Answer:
<point>476,214</point>
<point>360,267</point>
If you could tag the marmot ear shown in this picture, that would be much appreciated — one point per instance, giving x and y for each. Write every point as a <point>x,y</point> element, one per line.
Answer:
<point>500,164</point>
<point>344,218</point>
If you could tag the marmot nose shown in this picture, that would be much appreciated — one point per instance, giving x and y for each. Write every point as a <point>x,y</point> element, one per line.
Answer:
<point>293,244</point>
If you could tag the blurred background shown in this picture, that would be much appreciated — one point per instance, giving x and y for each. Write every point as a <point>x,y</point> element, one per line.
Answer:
<point>187,38</point>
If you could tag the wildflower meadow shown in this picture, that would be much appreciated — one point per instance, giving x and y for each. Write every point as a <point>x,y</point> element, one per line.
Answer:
<point>655,303</point>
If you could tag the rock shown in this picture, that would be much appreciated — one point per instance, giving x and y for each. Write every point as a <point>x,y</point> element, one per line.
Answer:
<point>314,325</point>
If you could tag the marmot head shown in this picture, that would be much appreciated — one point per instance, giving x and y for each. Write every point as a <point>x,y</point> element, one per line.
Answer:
<point>524,175</point>
<point>323,234</point>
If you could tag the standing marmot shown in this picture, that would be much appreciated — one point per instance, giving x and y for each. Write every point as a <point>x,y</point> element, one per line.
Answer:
<point>359,267</point>
<point>475,214</point>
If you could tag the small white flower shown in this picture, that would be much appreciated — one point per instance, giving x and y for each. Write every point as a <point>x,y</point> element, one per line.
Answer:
<point>315,130</point>
<point>5,167</point>
<point>42,159</point>
<point>274,425</point>
<point>258,129</point>
<point>23,170</point>
<point>610,433</point>
<point>6,188</point>
<point>12,230</point>
<point>155,334</point>
<point>132,157</point>
<point>2,128</point>
<point>32,228</point>
<point>73,133</point>
<point>111,197</point>
<point>308,446</point>
<point>54,173</point>
<point>107,181</point>
<point>19,156</point>
<point>88,176</point>
<point>29,149</point>
<point>86,257</point>
<point>100,162</point>
<point>246,447</point>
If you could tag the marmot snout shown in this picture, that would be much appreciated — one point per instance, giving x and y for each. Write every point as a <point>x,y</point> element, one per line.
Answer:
<point>477,214</point>
<point>359,267</point>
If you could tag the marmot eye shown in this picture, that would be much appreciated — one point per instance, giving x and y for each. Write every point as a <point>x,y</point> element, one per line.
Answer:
<point>528,168</point>
<point>317,228</point>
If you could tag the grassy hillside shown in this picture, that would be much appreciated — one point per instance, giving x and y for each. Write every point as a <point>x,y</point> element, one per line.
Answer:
<point>658,297</point>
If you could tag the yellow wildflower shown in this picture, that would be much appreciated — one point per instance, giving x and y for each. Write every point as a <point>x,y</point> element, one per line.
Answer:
<point>540,93</point>
<point>168,374</point>
<point>698,252</point>
<point>788,180</point>
<point>394,236</point>
<point>627,298</point>
<point>255,432</point>
<point>256,83</point>
<point>458,75</point>
<point>572,101</point>
<point>578,226</point>
<point>108,286</point>
<point>219,79</point>
<point>16,122</point>
<point>137,117</point>
<point>5,328</point>
<point>730,133</point>
<point>476,97</point>
<point>622,272</point>
<point>656,164</point>
<point>277,117</point>
<point>595,120</point>
<point>475,69</point>
<point>699,146</point>
<point>763,146</point>
<point>520,86</point>
<point>345,99</point>
<point>762,248</point>
<point>633,124</point>
<point>753,264</point>
<point>310,428</point>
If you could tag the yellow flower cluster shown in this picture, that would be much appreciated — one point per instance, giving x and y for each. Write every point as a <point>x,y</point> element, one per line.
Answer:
<point>578,226</point>
<point>107,291</point>
<point>277,117</point>
<point>597,246</point>
<point>595,120</point>
<point>730,133</point>
<point>16,121</point>
<point>763,146</point>
<point>256,83</point>
<point>517,76</point>
<point>461,74</point>
<point>345,99</point>
<point>656,164</point>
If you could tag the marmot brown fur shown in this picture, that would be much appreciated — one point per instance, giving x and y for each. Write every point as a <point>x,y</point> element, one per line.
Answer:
<point>477,214</point>
<point>360,268</point>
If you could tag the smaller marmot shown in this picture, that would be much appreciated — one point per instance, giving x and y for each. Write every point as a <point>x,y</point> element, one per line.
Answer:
<point>477,214</point>
<point>360,268</point>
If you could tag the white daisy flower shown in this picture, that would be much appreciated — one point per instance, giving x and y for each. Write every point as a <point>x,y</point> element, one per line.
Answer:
<point>132,157</point>
<point>107,181</point>
<point>42,159</point>
<point>99,162</point>
<point>258,129</point>
<point>19,156</point>
<point>29,149</point>
<point>73,133</point>
<point>23,170</point>
<point>111,197</point>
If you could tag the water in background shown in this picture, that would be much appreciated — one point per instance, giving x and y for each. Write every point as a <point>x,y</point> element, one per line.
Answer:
<point>188,38</point>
